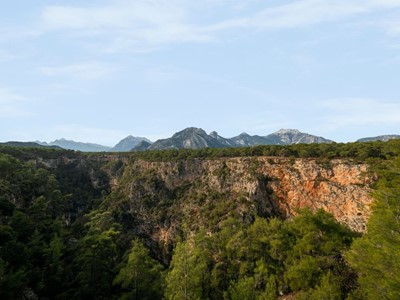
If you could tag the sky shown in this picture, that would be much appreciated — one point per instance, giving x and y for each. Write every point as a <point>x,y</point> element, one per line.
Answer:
<point>97,71</point>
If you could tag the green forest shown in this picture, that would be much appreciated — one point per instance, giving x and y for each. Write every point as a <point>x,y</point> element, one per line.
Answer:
<point>62,237</point>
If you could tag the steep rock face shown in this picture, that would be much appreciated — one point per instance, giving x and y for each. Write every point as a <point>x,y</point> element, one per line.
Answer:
<point>339,188</point>
<point>161,197</point>
<point>191,138</point>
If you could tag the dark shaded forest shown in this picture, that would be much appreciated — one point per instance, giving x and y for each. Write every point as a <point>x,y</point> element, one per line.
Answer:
<point>62,235</point>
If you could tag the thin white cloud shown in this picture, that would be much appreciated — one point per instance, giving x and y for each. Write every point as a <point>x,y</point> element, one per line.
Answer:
<point>137,25</point>
<point>86,71</point>
<point>12,104</point>
<point>141,24</point>
<point>303,13</point>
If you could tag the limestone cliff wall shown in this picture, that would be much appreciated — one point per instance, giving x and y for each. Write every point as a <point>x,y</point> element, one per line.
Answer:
<point>269,185</point>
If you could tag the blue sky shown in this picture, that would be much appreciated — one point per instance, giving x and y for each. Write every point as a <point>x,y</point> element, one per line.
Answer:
<point>98,71</point>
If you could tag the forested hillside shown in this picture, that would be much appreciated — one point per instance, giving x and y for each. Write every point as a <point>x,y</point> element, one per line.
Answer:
<point>208,224</point>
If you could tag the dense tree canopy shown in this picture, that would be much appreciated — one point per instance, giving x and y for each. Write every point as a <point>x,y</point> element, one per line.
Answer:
<point>61,237</point>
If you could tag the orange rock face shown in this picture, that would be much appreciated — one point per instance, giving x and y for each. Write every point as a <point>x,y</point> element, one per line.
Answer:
<point>275,186</point>
<point>340,188</point>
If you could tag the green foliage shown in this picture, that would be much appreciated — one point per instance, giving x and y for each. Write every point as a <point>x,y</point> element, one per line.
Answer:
<point>11,281</point>
<point>303,273</point>
<point>63,235</point>
<point>376,255</point>
<point>244,288</point>
<point>97,257</point>
<point>359,151</point>
<point>35,214</point>
<point>261,260</point>
<point>141,276</point>
<point>328,289</point>
<point>188,275</point>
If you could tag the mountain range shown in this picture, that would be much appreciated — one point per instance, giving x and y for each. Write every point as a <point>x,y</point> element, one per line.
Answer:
<point>124,145</point>
<point>195,138</point>
<point>382,138</point>
<point>77,146</point>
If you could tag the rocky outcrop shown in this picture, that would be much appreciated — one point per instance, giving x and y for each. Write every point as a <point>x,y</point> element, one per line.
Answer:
<point>191,138</point>
<point>179,192</point>
<point>338,187</point>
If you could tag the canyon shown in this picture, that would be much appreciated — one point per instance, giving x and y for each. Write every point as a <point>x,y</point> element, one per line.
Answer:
<point>162,196</point>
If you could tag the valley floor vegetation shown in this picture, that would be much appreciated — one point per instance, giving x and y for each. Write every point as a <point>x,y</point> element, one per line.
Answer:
<point>63,237</point>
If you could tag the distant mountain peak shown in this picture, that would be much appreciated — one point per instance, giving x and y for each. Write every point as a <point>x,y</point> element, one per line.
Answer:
<point>129,143</point>
<point>244,134</point>
<point>214,134</point>
<point>192,138</point>
<point>190,130</point>
<point>79,146</point>
<point>142,146</point>
<point>288,131</point>
<point>294,136</point>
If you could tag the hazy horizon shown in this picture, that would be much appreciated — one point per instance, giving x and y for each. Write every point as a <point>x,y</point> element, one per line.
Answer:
<point>102,70</point>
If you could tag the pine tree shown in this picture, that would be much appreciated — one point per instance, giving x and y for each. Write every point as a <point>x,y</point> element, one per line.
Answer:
<point>141,277</point>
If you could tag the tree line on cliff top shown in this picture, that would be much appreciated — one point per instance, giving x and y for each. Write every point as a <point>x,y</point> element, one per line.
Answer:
<point>60,240</point>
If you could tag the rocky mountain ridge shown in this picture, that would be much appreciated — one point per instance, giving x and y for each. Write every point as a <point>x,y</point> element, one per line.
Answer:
<point>197,138</point>
<point>29,145</point>
<point>382,138</point>
<point>191,138</point>
<point>293,136</point>
<point>128,143</point>
<point>77,146</point>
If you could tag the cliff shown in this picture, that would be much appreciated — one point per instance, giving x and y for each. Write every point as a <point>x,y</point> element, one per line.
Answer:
<point>157,199</point>
<point>160,200</point>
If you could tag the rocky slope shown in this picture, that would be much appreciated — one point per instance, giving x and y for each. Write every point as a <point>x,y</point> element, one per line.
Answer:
<point>128,143</point>
<point>191,138</point>
<point>142,146</point>
<point>197,138</point>
<point>293,136</point>
<point>157,199</point>
<point>244,140</point>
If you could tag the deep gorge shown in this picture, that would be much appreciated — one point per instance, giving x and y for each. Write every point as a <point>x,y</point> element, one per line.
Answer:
<point>84,220</point>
